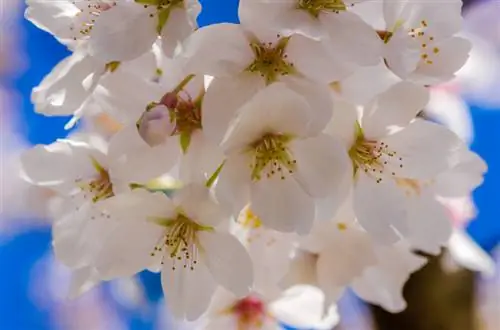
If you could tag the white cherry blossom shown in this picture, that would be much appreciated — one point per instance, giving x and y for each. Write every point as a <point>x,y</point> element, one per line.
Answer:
<point>181,235</point>
<point>387,147</point>
<point>130,28</point>
<point>323,20</point>
<point>420,38</point>
<point>244,59</point>
<point>301,307</point>
<point>277,163</point>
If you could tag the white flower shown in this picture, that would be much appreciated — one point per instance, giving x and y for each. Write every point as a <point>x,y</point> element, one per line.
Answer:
<point>277,163</point>
<point>300,307</point>
<point>68,88</point>
<point>130,28</point>
<point>245,59</point>
<point>389,147</point>
<point>87,180</point>
<point>181,234</point>
<point>324,20</point>
<point>374,271</point>
<point>69,21</point>
<point>419,39</point>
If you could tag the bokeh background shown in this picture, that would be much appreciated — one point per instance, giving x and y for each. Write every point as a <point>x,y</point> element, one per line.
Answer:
<point>33,285</point>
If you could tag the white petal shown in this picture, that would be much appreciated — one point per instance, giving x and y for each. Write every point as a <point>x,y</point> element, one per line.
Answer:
<point>380,208</point>
<point>322,68</point>
<point>466,252</point>
<point>452,55</point>
<point>430,223</point>
<point>383,284</point>
<point>55,17</point>
<point>202,159</point>
<point>220,50</point>
<point>175,31</point>
<point>319,99</point>
<point>322,164</point>
<point>65,89</point>
<point>232,189</point>
<point>425,149</point>
<point>301,307</point>
<point>128,249</point>
<point>58,164</point>
<point>135,163</point>
<point>365,83</point>
<point>223,99</point>
<point>228,262</point>
<point>196,201</point>
<point>188,291</point>
<point>361,45</point>
<point>123,32</point>
<point>396,107</point>
<point>281,204</point>
<point>275,109</point>
<point>402,54</point>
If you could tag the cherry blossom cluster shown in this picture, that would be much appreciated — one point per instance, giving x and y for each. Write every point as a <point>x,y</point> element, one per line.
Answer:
<point>261,167</point>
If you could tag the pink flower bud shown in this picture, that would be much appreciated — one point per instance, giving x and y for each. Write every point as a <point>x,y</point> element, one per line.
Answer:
<point>155,125</point>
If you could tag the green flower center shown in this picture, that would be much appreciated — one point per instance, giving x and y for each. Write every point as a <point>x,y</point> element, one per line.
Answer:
<point>164,8</point>
<point>316,7</point>
<point>271,157</point>
<point>271,60</point>
<point>372,157</point>
<point>100,187</point>
<point>180,240</point>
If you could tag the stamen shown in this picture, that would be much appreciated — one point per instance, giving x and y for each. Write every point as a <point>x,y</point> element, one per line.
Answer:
<point>271,60</point>
<point>272,157</point>
<point>180,241</point>
<point>316,7</point>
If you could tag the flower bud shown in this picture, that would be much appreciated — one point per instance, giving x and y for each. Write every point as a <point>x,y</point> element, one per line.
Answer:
<point>155,125</point>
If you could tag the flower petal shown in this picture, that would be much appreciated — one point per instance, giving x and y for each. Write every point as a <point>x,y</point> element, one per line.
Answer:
<point>220,50</point>
<point>383,215</point>
<point>228,261</point>
<point>425,149</point>
<point>176,30</point>
<point>382,284</point>
<point>429,222</point>
<point>219,109</point>
<point>275,109</point>
<point>123,32</point>
<point>282,204</point>
<point>232,189</point>
<point>188,292</point>
<point>397,106</point>
<point>322,163</point>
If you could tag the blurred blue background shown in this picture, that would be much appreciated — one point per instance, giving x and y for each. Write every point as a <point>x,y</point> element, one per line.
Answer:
<point>25,254</point>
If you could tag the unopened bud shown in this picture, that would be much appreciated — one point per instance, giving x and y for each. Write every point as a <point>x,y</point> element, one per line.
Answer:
<point>155,125</point>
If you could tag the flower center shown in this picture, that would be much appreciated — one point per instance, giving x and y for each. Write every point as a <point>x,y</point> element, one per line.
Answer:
<point>271,156</point>
<point>99,187</point>
<point>315,7</point>
<point>372,157</point>
<point>186,115</point>
<point>271,59</point>
<point>180,241</point>
<point>163,8</point>
<point>89,11</point>
<point>428,52</point>
<point>250,312</point>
